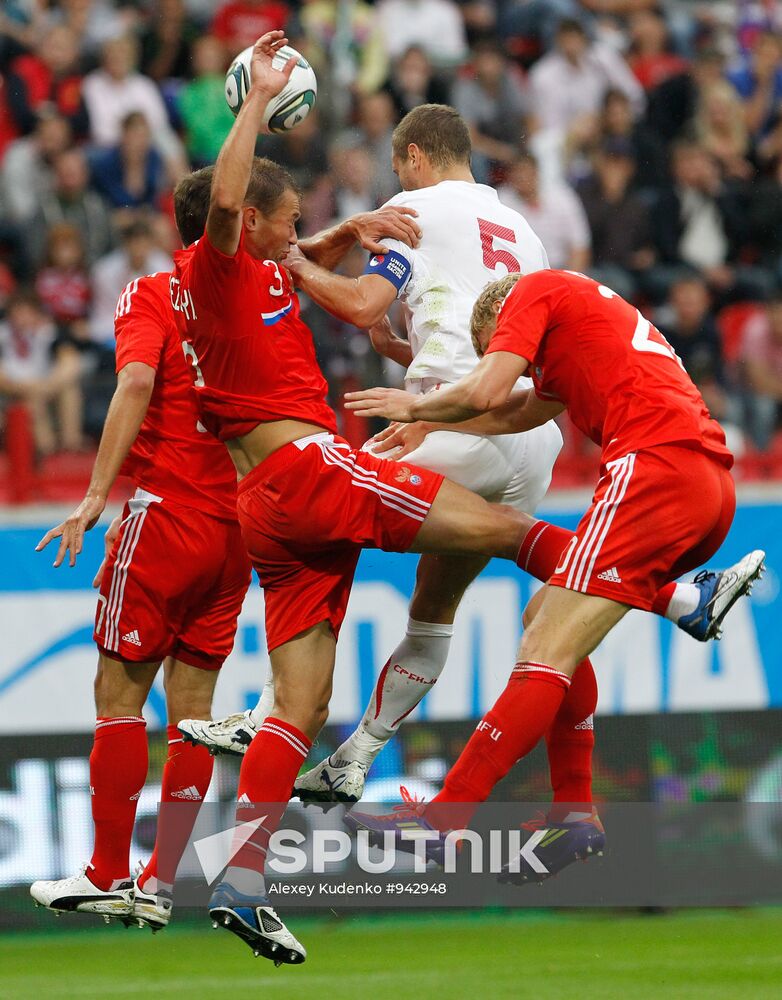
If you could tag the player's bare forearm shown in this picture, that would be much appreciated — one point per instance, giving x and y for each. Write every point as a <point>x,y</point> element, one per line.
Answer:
<point>362,301</point>
<point>234,164</point>
<point>487,386</point>
<point>522,412</point>
<point>329,248</point>
<point>368,229</point>
<point>388,345</point>
<point>127,410</point>
<point>126,414</point>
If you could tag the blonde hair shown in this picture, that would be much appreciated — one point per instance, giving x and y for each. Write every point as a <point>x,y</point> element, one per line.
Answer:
<point>710,135</point>
<point>483,313</point>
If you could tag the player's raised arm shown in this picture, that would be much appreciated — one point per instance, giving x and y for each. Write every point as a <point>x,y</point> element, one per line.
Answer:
<point>234,164</point>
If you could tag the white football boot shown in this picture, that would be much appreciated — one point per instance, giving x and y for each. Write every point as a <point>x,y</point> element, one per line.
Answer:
<point>150,909</point>
<point>332,781</point>
<point>78,894</point>
<point>230,735</point>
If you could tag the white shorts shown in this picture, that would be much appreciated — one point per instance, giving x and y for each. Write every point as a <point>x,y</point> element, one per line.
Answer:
<point>513,469</point>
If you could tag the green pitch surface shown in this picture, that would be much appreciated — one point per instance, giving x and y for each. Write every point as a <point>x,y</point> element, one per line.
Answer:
<point>705,955</point>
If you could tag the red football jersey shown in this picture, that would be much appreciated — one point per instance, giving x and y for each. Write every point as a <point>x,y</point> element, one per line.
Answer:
<point>621,381</point>
<point>252,355</point>
<point>173,456</point>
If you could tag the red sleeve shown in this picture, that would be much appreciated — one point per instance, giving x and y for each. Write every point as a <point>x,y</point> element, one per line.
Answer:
<point>141,323</point>
<point>526,314</point>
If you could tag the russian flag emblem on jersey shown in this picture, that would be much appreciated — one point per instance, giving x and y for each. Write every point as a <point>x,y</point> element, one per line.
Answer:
<point>269,319</point>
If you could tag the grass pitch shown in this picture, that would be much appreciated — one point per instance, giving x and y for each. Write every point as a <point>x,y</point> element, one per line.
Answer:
<point>703,955</point>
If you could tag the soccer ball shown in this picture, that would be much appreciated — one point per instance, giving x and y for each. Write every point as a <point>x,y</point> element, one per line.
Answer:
<point>291,105</point>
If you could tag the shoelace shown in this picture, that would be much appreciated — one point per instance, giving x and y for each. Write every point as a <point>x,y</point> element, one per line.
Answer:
<point>538,822</point>
<point>410,807</point>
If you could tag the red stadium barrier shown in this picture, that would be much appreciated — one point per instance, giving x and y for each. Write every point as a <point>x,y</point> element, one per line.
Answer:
<point>20,448</point>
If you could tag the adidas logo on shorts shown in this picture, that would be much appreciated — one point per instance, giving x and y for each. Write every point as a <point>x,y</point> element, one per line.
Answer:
<point>191,794</point>
<point>133,637</point>
<point>610,575</point>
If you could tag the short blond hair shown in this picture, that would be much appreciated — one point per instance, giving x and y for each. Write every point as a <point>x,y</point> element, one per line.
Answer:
<point>483,313</point>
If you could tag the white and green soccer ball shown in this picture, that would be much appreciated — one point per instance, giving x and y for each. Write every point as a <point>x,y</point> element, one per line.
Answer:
<point>294,102</point>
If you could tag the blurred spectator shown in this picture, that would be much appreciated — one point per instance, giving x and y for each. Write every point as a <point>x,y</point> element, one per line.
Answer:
<point>692,332</point>
<point>572,80</point>
<point>554,212</point>
<point>672,104</point>
<point>40,374</point>
<point>72,201</point>
<point>698,219</point>
<point>436,26</point>
<point>116,89</point>
<point>376,121</point>
<point>132,174</point>
<point>50,77</point>
<point>26,173</point>
<point>618,219</point>
<point>63,283</point>
<point>492,101</point>
<point>721,129</point>
<point>94,22</point>
<point>205,114</point>
<point>651,57</point>
<point>354,192</point>
<point>758,80</point>
<point>242,22</point>
<point>167,41</point>
<point>764,219</point>
<point>761,365</point>
<point>302,151</point>
<point>137,255</point>
<point>413,81</point>
<point>346,47</point>
<point>648,151</point>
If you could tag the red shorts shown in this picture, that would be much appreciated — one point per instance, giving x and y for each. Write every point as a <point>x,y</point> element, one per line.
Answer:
<point>308,511</point>
<point>655,514</point>
<point>173,586</point>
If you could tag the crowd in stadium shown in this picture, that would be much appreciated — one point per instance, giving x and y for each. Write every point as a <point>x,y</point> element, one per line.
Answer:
<point>642,141</point>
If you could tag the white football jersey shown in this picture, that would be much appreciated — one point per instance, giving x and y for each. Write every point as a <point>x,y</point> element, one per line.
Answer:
<point>469,238</point>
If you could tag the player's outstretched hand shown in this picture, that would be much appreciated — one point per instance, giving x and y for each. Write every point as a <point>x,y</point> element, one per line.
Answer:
<point>400,439</point>
<point>393,404</point>
<point>108,544</point>
<point>263,76</point>
<point>71,531</point>
<point>393,222</point>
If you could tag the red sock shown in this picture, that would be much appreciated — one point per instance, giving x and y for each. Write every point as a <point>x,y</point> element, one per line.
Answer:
<point>118,770</point>
<point>570,742</point>
<point>186,777</point>
<point>542,548</point>
<point>513,726</point>
<point>266,781</point>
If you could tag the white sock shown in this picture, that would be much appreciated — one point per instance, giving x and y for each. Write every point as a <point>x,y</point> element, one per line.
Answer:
<point>685,600</point>
<point>265,702</point>
<point>246,880</point>
<point>412,669</point>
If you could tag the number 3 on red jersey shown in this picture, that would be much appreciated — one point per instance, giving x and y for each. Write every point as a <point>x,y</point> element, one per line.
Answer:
<point>492,256</point>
